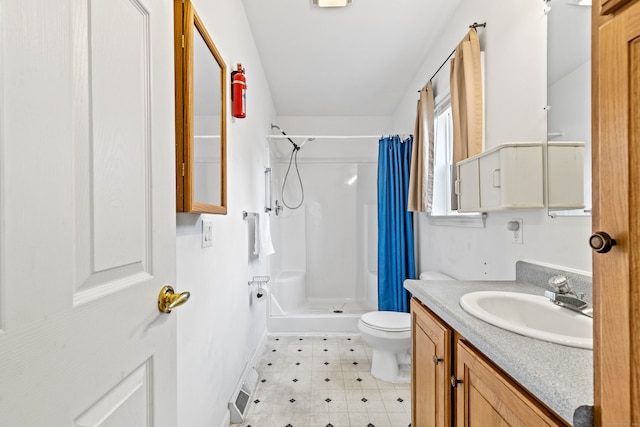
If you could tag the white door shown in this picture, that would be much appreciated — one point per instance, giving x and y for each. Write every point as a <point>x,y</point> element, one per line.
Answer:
<point>87,222</point>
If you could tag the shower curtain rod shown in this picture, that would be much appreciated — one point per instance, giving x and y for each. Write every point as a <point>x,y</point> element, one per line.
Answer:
<point>332,136</point>
<point>474,25</point>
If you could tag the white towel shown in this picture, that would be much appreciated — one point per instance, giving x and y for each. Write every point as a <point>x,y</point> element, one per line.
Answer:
<point>256,234</point>
<point>263,244</point>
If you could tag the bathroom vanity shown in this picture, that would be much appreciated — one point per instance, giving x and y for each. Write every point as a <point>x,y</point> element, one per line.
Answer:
<point>467,370</point>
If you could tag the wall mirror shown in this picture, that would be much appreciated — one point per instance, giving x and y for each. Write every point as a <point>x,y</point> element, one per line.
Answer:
<point>569,101</point>
<point>200,116</point>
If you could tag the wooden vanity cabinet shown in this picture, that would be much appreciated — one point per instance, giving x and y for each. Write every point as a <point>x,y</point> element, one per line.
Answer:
<point>453,384</point>
<point>431,369</point>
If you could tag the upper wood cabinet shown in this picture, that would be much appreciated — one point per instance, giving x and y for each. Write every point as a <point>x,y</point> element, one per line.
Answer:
<point>200,84</point>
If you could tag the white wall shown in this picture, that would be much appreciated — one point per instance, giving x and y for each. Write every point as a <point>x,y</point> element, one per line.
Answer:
<point>220,328</point>
<point>515,94</point>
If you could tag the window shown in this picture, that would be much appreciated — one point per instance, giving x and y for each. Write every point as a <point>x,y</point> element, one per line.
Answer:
<point>442,158</point>
<point>442,168</point>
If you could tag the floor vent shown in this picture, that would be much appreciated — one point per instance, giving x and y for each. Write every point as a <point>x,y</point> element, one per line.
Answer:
<point>240,400</point>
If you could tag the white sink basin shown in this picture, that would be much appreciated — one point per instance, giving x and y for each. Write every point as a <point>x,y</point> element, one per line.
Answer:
<point>530,315</point>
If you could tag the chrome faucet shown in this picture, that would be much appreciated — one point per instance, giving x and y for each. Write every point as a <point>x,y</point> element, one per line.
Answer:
<point>565,297</point>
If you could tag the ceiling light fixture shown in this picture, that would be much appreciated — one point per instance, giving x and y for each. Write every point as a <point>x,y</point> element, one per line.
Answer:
<point>331,3</point>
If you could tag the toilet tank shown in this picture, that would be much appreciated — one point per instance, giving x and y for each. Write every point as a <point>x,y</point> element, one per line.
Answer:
<point>434,275</point>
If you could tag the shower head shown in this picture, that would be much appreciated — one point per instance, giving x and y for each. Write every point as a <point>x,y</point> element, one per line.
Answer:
<point>304,142</point>
<point>296,147</point>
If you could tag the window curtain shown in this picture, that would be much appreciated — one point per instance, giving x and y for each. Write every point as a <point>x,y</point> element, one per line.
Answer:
<point>421,179</point>
<point>466,101</point>
<point>395,224</point>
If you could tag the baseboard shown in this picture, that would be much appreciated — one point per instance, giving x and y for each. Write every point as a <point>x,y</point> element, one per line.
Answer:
<point>239,401</point>
<point>226,421</point>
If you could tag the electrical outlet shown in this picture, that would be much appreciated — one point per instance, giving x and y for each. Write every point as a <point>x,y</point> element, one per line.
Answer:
<point>516,238</point>
<point>207,234</point>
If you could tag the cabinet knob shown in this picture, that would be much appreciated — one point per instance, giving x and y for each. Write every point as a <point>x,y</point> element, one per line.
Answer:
<point>436,359</point>
<point>601,242</point>
<point>455,381</point>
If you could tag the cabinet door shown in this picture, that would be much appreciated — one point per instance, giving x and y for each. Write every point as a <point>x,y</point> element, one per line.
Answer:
<point>486,397</point>
<point>468,187</point>
<point>431,367</point>
<point>490,180</point>
<point>512,178</point>
<point>565,175</point>
<point>522,177</point>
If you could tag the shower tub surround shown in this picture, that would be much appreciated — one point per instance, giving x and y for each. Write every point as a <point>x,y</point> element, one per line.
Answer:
<point>324,271</point>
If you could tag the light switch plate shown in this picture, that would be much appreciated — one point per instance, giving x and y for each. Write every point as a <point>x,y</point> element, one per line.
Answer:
<point>207,234</point>
<point>516,237</point>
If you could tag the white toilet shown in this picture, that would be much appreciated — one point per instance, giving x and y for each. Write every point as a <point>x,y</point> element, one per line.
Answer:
<point>389,335</point>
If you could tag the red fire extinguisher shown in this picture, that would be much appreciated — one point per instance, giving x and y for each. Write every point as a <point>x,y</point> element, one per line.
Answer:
<point>239,93</point>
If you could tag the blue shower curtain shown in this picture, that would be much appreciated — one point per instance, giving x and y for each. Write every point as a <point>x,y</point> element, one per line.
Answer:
<point>395,224</point>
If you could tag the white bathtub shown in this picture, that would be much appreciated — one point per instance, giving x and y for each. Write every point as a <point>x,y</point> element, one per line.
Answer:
<point>288,288</point>
<point>290,311</point>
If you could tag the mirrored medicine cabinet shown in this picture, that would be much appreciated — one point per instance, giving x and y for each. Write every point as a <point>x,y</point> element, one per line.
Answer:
<point>569,106</point>
<point>200,80</point>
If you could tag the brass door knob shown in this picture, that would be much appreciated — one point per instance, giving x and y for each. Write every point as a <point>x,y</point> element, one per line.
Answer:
<point>601,242</point>
<point>168,299</point>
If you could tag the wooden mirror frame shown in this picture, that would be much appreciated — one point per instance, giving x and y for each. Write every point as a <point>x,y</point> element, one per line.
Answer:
<point>185,21</point>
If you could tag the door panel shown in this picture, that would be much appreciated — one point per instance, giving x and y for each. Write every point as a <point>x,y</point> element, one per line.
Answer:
<point>126,404</point>
<point>616,274</point>
<point>119,131</point>
<point>483,413</point>
<point>425,405</point>
<point>87,218</point>
<point>431,368</point>
<point>114,228</point>
<point>486,397</point>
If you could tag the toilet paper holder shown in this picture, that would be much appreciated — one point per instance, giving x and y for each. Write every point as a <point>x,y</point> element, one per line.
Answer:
<point>259,280</point>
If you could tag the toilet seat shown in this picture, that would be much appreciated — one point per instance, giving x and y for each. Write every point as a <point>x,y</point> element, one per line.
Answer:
<point>388,321</point>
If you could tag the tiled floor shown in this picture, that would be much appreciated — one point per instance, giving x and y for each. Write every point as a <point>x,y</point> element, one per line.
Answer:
<point>312,381</point>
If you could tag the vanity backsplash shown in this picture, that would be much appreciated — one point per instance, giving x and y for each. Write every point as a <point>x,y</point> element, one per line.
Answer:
<point>539,275</point>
